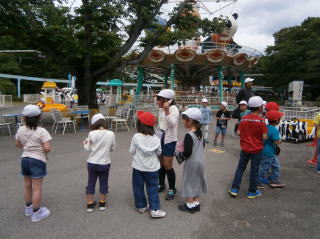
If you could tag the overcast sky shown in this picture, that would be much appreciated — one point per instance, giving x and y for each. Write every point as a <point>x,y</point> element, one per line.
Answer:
<point>259,19</point>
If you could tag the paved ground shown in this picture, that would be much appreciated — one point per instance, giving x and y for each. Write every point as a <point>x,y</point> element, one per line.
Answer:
<point>290,213</point>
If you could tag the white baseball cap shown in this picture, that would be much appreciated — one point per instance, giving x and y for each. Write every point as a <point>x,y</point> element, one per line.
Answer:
<point>204,100</point>
<point>30,111</point>
<point>96,117</point>
<point>193,113</point>
<point>166,93</point>
<point>225,104</point>
<point>247,80</point>
<point>243,102</point>
<point>256,101</point>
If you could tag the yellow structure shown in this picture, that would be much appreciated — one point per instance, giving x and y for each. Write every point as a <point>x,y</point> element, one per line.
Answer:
<point>49,98</point>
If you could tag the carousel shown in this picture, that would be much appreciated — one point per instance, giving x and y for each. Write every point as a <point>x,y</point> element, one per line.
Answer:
<point>195,61</point>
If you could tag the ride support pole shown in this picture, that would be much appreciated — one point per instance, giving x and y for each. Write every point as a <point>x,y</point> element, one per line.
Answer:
<point>242,78</point>
<point>173,71</point>
<point>139,84</point>
<point>220,77</point>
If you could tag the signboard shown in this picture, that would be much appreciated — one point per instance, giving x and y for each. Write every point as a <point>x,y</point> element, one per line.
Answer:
<point>296,87</point>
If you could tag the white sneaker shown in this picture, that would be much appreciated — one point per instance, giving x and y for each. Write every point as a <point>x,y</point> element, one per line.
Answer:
<point>157,214</point>
<point>42,213</point>
<point>142,210</point>
<point>28,211</point>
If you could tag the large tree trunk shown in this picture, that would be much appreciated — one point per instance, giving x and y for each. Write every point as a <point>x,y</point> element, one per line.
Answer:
<point>83,86</point>
<point>93,95</point>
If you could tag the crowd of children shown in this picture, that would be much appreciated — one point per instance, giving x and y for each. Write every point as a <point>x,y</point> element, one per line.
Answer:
<point>153,150</point>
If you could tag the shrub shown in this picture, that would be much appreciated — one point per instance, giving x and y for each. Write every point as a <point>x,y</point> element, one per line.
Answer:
<point>7,87</point>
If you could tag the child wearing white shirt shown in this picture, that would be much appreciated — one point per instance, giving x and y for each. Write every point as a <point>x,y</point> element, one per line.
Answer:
<point>146,147</point>
<point>100,143</point>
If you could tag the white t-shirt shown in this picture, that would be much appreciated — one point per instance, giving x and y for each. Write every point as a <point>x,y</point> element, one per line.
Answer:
<point>169,123</point>
<point>145,150</point>
<point>100,144</point>
<point>32,141</point>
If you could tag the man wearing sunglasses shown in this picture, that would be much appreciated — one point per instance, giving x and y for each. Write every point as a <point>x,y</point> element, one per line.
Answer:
<point>168,127</point>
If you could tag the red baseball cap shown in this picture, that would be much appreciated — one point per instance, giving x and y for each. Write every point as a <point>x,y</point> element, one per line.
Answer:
<point>146,118</point>
<point>274,115</point>
<point>272,106</point>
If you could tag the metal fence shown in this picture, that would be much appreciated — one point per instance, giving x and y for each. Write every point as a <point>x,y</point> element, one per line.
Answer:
<point>5,100</point>
<point>299,112</point>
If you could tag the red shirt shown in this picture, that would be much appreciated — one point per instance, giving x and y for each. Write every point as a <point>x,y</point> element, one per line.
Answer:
<point>252,127</point>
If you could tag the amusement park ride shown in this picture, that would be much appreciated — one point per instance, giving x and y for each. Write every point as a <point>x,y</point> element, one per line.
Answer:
<point>193,61</point>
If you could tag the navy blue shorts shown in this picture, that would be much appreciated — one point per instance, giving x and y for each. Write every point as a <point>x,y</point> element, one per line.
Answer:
<point>33,168</point>
<point>168,149</point>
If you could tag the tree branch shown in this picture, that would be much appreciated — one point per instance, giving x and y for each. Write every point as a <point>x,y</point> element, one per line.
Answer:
<point>141,23</point>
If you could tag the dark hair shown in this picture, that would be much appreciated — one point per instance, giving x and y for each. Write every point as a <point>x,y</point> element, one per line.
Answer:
<point>32,122</point>
<point>273,121</point>
<point>101,123</point>
<point>173,102</point>
<point>144,129</point>
<point>254,109</point>
<point>195,122</point>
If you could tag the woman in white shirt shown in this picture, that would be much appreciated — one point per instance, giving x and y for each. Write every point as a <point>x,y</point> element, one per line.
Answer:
<point>168,127</point>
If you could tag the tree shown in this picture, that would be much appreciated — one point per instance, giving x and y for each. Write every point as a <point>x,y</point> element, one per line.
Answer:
<point>295,56</point>
<point>94,39</point>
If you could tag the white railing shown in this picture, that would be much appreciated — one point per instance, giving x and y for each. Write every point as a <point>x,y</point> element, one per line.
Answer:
<point>5,100</point>
<point>299,112</point>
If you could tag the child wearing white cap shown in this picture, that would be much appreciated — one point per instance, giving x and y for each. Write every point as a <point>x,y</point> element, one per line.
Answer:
<point>253,131</point>
<point>194,180</point>
<point>168,127</point>
<point>206,119</point>
<point>35,142</point>
<point>223,115</point>
<point>100,143</point>
<point>243,106</point>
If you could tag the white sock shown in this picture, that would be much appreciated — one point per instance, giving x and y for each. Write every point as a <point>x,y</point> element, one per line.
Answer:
<point>196,203</point>
<point>190,205</point>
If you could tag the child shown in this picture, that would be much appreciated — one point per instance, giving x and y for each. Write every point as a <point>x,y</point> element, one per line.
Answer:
<point>146,147</point>
<point>223,115</point>
<point>100,143</point>
<point>252,131</point>
<point>35,142</point>
<point>194,181</point>
<point>269,160</point>
<point>243,112</point>
<point>206,118</point>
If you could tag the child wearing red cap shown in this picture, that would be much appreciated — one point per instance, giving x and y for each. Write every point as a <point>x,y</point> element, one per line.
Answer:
<point>269,160</point>
<point>145,148</point>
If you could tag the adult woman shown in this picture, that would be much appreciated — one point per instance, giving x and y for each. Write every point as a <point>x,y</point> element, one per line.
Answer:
<point>168,127</point>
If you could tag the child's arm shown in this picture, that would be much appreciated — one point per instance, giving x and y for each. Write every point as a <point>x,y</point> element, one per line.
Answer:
<point>18,144</point>
<point>133,146</point>
<point>87,143</point>
<point>46,146</point>
<point>278,142</point>
<point>113,143</point>
<point>158,150</point>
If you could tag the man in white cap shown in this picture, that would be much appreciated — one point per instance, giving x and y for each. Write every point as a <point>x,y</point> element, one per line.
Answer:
<point>168,127</point>
<point>253,131</point>
<point>206,118</point>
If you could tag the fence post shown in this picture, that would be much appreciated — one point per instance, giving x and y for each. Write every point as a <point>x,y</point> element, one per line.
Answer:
<point>19,87</point>
<point>242,78</point>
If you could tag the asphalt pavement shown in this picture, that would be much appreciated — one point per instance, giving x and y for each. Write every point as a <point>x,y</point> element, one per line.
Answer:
<point>292,212</point>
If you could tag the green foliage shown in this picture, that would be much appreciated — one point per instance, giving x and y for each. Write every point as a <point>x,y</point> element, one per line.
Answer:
<point>295,56</point>
<point>7,87</point>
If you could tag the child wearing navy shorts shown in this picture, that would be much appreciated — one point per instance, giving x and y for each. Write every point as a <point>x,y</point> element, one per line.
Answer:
<point>35,142</point>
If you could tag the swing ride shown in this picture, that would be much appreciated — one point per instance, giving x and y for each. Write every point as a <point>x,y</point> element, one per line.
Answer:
<point>193,61</point>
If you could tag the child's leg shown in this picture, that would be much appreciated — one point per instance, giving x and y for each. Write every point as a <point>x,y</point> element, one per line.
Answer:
<point>104,182</point>
<point>254,171</point>
<point>27,190</point>
<point>265,166</point>
<point>151,179</point>
<point>206,131</point>
<point>36,193</point>
<point>244,159</point>
<point>275,169</point>
<point>92,179</point>
<point>138,189</point>
<point>162,173</point>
